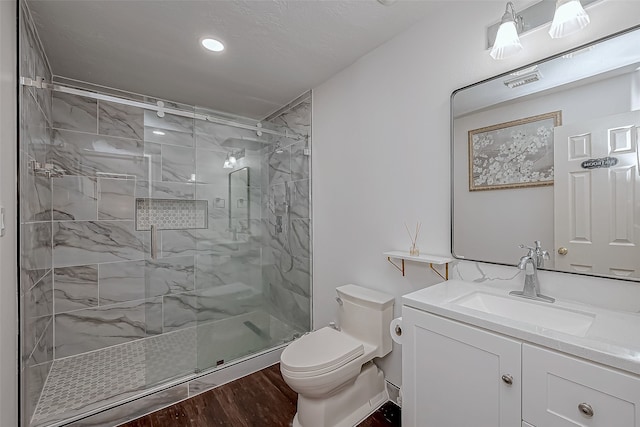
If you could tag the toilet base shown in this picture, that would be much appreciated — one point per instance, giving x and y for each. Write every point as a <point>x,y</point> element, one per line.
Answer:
<point>348,406</point>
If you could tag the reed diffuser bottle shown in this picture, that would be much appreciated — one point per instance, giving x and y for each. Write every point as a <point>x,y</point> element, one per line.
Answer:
<point>413,249</point>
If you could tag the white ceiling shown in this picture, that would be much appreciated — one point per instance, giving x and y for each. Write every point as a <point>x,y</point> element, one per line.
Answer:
<point>275,49</point>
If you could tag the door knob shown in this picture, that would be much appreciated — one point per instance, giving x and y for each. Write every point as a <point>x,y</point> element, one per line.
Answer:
<point>563,251</point>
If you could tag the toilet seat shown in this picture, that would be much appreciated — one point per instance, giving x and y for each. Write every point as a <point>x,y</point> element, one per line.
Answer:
<point>320,352</point>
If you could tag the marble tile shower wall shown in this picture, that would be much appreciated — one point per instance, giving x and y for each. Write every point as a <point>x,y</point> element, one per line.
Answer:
<point>107,289</point>
<point>286,200</point>
<point>36,276</point>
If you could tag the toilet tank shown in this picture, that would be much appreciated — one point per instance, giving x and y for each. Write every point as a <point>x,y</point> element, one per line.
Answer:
<point>365,314</point>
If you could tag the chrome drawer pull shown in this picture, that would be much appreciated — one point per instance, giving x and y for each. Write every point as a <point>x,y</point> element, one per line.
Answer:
<point>586,409</point>
<point>508,379</point>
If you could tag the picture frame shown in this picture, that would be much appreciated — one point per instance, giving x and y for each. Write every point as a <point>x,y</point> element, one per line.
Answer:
<point>513,154</point>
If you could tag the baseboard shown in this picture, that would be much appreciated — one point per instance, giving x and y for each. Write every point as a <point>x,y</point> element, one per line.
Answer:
<point>394,393</point>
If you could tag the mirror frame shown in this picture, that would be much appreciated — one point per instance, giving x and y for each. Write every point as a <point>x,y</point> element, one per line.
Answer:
<point>452,149</point>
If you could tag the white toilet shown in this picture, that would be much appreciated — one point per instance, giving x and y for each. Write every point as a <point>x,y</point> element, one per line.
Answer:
<point>332,371</point>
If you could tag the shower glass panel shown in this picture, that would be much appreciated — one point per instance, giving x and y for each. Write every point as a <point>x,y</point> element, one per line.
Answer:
<point>166,205</point>
<point>262,275</point>
<point>236,315</point>
<point>144,261</point>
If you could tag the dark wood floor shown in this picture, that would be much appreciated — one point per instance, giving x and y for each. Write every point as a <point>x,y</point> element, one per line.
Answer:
<point>262,399</point>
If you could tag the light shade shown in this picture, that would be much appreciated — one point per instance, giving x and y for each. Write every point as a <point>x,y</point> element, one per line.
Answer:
<point>507,41</point>
<point>227,163</point>
<point>569,18</point>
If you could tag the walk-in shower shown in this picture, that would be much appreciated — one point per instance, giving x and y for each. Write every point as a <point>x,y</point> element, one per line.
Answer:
<point>144,262</point>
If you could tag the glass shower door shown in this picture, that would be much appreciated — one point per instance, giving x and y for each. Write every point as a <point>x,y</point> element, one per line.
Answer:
<point>255,301</point>
<point>169,213</point>
<point>230,250</point>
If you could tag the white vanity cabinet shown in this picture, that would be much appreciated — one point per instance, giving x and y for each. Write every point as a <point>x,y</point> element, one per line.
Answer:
<point>560,390</point>
<point>455,374</point>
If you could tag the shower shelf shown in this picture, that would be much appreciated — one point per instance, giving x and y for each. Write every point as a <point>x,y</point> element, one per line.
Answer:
<point>425,258</point>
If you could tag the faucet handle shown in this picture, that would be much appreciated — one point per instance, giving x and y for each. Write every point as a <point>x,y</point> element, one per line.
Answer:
<point>531,250</point>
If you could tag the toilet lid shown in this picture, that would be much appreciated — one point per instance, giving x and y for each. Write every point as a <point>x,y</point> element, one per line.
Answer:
<point>325,349</point>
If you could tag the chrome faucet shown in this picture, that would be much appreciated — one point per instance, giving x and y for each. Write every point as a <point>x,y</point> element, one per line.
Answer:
<point>537,253</point>
<point>531,284</point>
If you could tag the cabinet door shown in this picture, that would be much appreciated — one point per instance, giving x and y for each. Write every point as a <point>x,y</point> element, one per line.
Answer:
<point>452,374</point>
<point>562,391</point>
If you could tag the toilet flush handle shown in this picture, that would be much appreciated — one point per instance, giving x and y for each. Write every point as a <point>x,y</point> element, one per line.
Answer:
<point>339,300</point>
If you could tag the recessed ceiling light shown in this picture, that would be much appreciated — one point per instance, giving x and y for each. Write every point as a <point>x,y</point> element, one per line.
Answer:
<point>212,45</point>
<point>158,132</point>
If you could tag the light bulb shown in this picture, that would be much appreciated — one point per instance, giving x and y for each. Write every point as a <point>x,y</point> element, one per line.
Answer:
<point>212,45</point>
<point>569,18</point>
<point>507,41</point>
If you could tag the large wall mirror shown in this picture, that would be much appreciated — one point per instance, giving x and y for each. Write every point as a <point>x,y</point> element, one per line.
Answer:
<point>549,152</point>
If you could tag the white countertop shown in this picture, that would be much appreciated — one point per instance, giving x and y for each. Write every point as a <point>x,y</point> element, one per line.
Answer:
<point>613,339</point>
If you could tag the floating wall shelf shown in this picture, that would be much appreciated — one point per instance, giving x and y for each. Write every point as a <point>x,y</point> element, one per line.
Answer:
<point>426,258</point>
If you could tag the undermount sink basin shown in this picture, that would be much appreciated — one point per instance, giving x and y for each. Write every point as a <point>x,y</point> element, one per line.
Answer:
<point>540,314</point>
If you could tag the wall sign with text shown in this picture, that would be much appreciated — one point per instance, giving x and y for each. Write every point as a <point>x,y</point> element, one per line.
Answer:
<point>605,162</point>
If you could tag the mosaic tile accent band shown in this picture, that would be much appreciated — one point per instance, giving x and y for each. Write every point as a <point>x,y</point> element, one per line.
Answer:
<point>171,214</point>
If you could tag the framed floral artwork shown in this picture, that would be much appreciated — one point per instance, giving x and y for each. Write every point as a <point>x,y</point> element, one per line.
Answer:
<point>513,154</point>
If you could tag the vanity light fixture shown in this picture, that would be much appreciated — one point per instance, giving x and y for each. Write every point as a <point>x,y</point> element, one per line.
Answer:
<point>507,42</point>
<point>569,18</point>
<point>232,159</point>
<point>566,17</point>
<point>212,44</point>
<point>227,163</point>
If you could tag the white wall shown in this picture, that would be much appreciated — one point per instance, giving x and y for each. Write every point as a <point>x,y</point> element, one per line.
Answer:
<point>8,245</point>
<point>381,144</point>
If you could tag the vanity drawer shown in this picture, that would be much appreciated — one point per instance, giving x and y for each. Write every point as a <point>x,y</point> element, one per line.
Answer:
<point>562,391</point>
